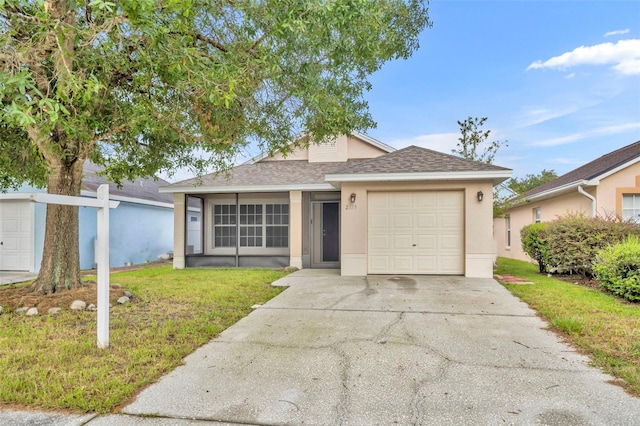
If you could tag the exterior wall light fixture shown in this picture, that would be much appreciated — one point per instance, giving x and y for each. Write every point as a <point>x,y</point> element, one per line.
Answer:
<point>480,196</point>
<point>353,197</point>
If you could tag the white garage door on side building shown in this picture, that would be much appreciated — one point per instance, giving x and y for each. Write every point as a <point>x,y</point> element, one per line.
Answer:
<point>416,232</point>
<point>16,235</point>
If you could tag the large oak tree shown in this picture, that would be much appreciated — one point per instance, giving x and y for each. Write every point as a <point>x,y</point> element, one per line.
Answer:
<point>137,85</point>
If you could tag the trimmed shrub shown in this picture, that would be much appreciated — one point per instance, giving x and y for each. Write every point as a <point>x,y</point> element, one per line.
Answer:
<point>617,268</point>
<point>574,240</point>
<point>534,243</point>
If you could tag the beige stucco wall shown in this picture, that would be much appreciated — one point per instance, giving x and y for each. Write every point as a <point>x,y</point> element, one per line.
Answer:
<point>340,150</point>
<point>608,194</point>
<point>611,189</point>
<point>360,149</point>
<point>479,247</point>
<point>523,215</point>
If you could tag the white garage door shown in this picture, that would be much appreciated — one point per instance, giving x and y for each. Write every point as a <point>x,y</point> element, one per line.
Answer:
<point>416,232</point>
<point>16,235</point>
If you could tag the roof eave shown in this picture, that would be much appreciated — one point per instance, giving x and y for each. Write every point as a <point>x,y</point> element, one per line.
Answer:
<point>204,189</point>
<point>495,176</point>
<point>560,190</point>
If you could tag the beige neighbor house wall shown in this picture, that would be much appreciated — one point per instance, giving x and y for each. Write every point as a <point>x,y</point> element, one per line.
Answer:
<point>608,194</point>
<point>524,214</point>
<point>479,247</point>
<point>612,188</point>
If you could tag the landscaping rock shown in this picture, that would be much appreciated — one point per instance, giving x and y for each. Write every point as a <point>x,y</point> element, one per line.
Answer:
<point>32,312</point>
<point>128,294</point>
<point>123,300</point>
<point>22,311</point>
<point>91,307</point>
<point>1,309</point>
<point>116,285</point>
<point>54,311</point>
<point>78,305</point>
<point>290,269</point>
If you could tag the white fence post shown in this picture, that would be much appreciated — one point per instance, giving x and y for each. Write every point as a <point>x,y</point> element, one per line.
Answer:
<point>103,267</point>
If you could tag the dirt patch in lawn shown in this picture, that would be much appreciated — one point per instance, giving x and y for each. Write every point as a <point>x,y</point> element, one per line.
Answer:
<point>13,297</point>
<point>577,279</point>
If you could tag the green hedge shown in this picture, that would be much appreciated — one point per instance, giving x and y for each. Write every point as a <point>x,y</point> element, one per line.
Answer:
<point>617,268</point>
<point>534,243</point>
<point>574,240</point>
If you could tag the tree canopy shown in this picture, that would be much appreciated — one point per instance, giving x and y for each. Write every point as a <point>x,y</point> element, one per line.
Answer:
<point>473,143</point>
<point>136,85</point>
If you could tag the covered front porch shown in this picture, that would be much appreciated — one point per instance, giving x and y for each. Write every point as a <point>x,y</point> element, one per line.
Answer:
<point>257,229</point>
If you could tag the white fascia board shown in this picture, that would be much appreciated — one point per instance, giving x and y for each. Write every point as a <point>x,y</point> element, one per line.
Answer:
<point>495,176</point>
<point>573,186</point>
<point>241,189</point>
<point>596,180</point>
<point>46,198</point>
<point>374,142</point>
<point>133,200</point>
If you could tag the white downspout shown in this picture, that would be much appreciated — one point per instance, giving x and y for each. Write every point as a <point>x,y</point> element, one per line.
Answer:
<point>592,198</point>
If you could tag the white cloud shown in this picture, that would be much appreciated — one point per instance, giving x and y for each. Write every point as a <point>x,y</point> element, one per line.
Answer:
<point>600,131</point>
<point>570,76</point>
<point>616,32</point>
<point>536,115</point>
<point>442,142</point>
<point>624,55</point>
<point>568,161</point>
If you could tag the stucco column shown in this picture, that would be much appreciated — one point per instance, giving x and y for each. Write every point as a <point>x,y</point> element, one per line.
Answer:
<point>178,230</point>
<point>295,229</point>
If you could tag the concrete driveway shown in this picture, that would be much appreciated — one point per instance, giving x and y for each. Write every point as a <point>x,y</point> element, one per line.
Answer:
<point>387,350</point>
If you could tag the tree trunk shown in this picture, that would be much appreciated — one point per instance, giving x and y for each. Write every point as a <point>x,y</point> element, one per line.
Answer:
<point>60,267</point>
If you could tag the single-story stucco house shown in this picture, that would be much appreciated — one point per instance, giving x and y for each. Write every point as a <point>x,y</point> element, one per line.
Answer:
<point>354,204</point>
<point>607,187</point>
<point>141,227</point>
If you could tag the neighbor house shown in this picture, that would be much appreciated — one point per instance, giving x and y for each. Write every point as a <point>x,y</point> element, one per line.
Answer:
<point>353,204</point>
<point>141,227</point>
<point>607,187</point>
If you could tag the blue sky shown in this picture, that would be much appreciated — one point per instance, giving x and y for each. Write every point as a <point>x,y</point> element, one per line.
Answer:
<point>560,80</point>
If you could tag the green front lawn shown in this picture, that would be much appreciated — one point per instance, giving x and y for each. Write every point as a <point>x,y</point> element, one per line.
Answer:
<point>52,362</point>
<point>605,327</point>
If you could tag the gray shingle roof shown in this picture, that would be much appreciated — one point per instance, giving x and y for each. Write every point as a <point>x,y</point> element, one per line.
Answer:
<point>291,172</point>
<point>414,159</point>
<point>591,170</point>
<point>145,189</point>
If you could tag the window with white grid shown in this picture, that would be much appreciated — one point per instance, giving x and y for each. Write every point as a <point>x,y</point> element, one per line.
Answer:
<point>631,207</point>
<point>224,225</point>
<point>277,225</point>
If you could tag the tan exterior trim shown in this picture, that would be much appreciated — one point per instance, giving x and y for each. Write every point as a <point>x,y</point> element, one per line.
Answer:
<point>295,229</point>
<point>178,230</point>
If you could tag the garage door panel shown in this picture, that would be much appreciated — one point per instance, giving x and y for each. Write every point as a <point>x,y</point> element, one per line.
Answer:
<point>401,200</point>
<point>427,264</point>
<point>379,264</point>
<point>380,243</point>
<point>427,242</point>
<point>402,221</point>
<point>402,263</point>
<point>402,242</point>
<point>425,235</point>
<point>379,221</point>
<point>450,264</point>
<point>426,220</point>
<point>450,221</point>
<point>426,200</point>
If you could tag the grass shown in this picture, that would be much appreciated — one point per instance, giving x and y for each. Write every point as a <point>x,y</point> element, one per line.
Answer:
<point>52,362</point>
<point>603,326</point>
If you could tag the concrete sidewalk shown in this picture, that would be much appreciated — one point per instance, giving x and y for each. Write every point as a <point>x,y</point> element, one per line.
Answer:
<point>383,350</point>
